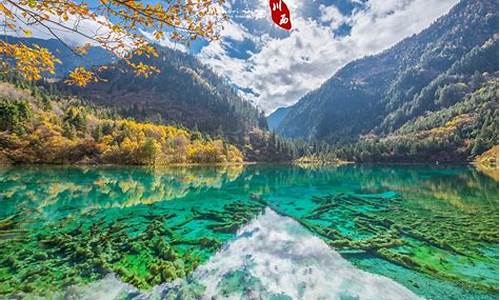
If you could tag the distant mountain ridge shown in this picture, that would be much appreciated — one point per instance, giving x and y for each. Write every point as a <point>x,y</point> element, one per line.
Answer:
<point>275,118</point>
<point>426,72</point>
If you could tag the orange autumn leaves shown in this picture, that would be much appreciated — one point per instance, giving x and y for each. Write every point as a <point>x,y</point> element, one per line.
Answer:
<point>178,20</point>
<point>31,62</point>
<point>80,77</point>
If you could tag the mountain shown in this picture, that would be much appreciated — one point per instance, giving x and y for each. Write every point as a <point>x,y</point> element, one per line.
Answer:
<point>39,127</point>
<point>184,92</point>
<point>454,134</point>
<point>95,56</point>
<point>427,72</point>
<point>275,118</point>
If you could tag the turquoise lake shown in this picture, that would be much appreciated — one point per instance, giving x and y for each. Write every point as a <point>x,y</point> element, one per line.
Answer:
<point>248,232</point>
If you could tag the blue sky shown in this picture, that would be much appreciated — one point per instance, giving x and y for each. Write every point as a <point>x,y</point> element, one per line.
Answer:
<point>274,68</point>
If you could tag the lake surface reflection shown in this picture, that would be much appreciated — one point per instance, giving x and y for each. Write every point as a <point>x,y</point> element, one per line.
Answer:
<point>274,231</point>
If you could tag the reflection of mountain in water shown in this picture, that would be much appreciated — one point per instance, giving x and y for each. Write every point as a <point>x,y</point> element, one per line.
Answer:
<point>431,187</point>
<point>83,188</point>
<point>272,257</point>
<point>57,189</point>
<point>412,216</point>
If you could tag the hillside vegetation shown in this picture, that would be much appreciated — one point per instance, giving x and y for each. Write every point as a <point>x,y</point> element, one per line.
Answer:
<point>185,92</point>
<point>457,133</point>
<point>38,128</point>
<point>425,99</point>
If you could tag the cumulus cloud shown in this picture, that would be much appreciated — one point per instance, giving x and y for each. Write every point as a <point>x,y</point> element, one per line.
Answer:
<point>282,69</point>
<point>165,41</point>
<point>330,14</point>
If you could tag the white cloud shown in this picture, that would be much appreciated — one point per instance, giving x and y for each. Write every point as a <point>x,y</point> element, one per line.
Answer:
<point>164,41</point>
<point>234,31</point>
<point>283,69</point>
<point>332,15</point>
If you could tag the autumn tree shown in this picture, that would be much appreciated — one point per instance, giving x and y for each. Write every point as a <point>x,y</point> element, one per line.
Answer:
<point>117,26</point>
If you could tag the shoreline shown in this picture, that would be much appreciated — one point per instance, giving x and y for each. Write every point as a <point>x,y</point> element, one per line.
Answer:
<point>248,163</point>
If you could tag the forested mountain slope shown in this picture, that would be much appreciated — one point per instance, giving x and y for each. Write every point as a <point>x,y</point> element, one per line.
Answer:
<point>184,92</point>
<point>456,133</point>
<point>375,96</point>
<point>38,127</point>
<point>274,119</point>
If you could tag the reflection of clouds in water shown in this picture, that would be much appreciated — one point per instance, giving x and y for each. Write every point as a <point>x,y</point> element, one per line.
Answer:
<point>279,257</point>
<point>109,288</point>
<point>272,256</point>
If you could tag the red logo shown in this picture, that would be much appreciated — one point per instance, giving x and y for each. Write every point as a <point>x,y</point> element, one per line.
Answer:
<point>281,14</point>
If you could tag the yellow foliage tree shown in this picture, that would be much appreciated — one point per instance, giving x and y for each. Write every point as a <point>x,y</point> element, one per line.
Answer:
<point>131,142</point>
<point>120,23</point>
<point>64,131</point>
